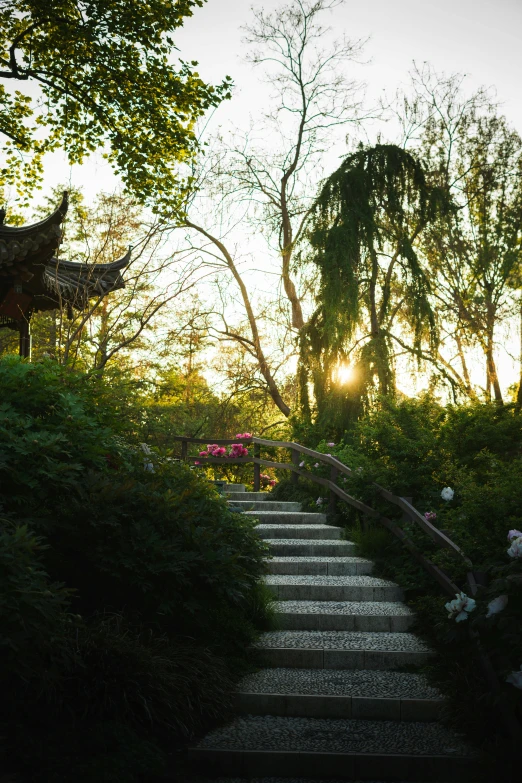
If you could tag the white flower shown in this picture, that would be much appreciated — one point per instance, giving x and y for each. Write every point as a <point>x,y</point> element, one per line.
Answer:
<point>515,550</point>
<point>459,606</point>
<point>330,445</point>
<point>319,502</point>
<point>496,605</point>
<point>447,493</point>
<point>515,678</point>
<point>514,534</point>
<point>301,464</point>
<point>316,465</point>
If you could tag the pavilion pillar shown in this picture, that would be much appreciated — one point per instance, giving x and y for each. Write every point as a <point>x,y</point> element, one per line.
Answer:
<point>25,339</point>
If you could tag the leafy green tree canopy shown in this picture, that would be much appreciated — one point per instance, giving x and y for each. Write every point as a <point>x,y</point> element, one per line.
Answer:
<point>372,207</point>
<point>90,74</point>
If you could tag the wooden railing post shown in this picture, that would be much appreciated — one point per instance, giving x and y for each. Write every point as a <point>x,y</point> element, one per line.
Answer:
<point>257,468</point>
<point>332,502</point>
<point>294,478</point>
<point>184,449</point>
<point>406,517</point>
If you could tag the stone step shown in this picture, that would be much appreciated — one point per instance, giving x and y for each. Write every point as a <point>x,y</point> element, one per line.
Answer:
<point>248,495</point>
<point>348,749</point>
<point>288,518</point>
<point>265,505</point>
<point>302,548</point>
<point>318,532</point>
<point>343,616</point>
<point>329,693</point>
<point>283,780</point>
<point>342,650</point>
<point>321,566</point>
<point>234,488</point>
<point>332,588</point>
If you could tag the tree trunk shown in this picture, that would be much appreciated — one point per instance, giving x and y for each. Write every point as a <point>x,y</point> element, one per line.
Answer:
<point>492,371</point>
<point>519,393</point>
<point>263,364</point>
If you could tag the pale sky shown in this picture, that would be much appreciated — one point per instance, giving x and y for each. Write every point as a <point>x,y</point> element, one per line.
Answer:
<point>476,37</point>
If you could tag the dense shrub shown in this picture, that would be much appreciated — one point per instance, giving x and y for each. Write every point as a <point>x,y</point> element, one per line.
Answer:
<point>129,590</point>
<point>416,448</point>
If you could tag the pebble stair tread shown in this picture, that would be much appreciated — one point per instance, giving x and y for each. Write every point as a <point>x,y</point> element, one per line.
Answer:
<point>342,640</point>
<point>319,559</point>
<point>344,607</point>
<point>299,541</point>
<point>320,735</point>
<point>281,780</point>
<point>300,731</point>
<point>364,580</point>
<point>340,682</point>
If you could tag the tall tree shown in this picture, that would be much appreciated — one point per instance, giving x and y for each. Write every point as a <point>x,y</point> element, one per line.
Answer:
<point>264,181</point>
<point>474,252</point>
<point>362,233</point>
<point>104,79</point>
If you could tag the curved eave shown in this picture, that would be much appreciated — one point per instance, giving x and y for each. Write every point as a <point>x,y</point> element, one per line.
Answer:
<point>92,269</point>
<point>8,233</point>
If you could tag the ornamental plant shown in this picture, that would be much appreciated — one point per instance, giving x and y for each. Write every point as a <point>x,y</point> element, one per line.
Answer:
<point>267,481</point>
<point>460,607</point>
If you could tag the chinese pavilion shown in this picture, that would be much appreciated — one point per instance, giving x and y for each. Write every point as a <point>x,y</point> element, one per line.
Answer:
<point>32,279</point>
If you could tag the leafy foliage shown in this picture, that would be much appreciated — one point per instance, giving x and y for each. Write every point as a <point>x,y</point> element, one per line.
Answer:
<point>104,73</point>
<point>374,205</point>
<point>163,580</point>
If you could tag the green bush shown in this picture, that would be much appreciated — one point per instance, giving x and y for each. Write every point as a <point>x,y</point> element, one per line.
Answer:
<point>415,448</point>
<point>162,578</point>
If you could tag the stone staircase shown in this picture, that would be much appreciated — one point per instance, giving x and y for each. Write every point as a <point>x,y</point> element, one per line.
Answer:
<point>339,697</point>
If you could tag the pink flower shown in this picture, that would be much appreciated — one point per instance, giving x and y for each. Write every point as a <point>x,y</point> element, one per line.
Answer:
<point>197,462</point>
<point>330,445</point>
<point>244,435</point>
<point>430,516</point>
<point>203,453</point>
<point>237,450</point>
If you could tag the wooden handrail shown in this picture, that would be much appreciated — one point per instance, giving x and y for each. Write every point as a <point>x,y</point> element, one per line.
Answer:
<point>440,538</point>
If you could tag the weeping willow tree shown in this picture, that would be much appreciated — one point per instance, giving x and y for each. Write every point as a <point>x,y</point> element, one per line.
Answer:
<point>372,289</point>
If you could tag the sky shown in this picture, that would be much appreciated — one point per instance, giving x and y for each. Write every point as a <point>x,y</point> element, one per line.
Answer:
<point>479,38</point>
<point>476,37</point>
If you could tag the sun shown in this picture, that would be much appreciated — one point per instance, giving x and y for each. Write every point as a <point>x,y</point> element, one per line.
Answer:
<point>344,373</point>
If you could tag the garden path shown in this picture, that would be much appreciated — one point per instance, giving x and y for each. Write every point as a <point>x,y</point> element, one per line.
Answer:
<point>340,697</point>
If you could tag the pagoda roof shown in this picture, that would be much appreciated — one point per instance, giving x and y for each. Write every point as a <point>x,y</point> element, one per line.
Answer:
<point>21,246</point>
<point>32,278</point>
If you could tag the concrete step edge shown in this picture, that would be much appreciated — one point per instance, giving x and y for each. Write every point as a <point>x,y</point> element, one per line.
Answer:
<point>326,705</point>
<point>346,766</point>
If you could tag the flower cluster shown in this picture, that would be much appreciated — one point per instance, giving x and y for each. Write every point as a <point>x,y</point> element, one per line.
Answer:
<point>447,493</point>
<point>266,481</point>
<point>515,538</point>
<point>430,516</point>
<point>319,502</point>
<point>459,607</point>
<point>515,550</point>
<point>244,435</point>
<point>237,450</point>
<point>213,450</point>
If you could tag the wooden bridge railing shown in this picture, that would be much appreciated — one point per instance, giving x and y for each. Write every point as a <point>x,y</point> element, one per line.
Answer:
<point>338,468</point>
<point>409,513</point>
